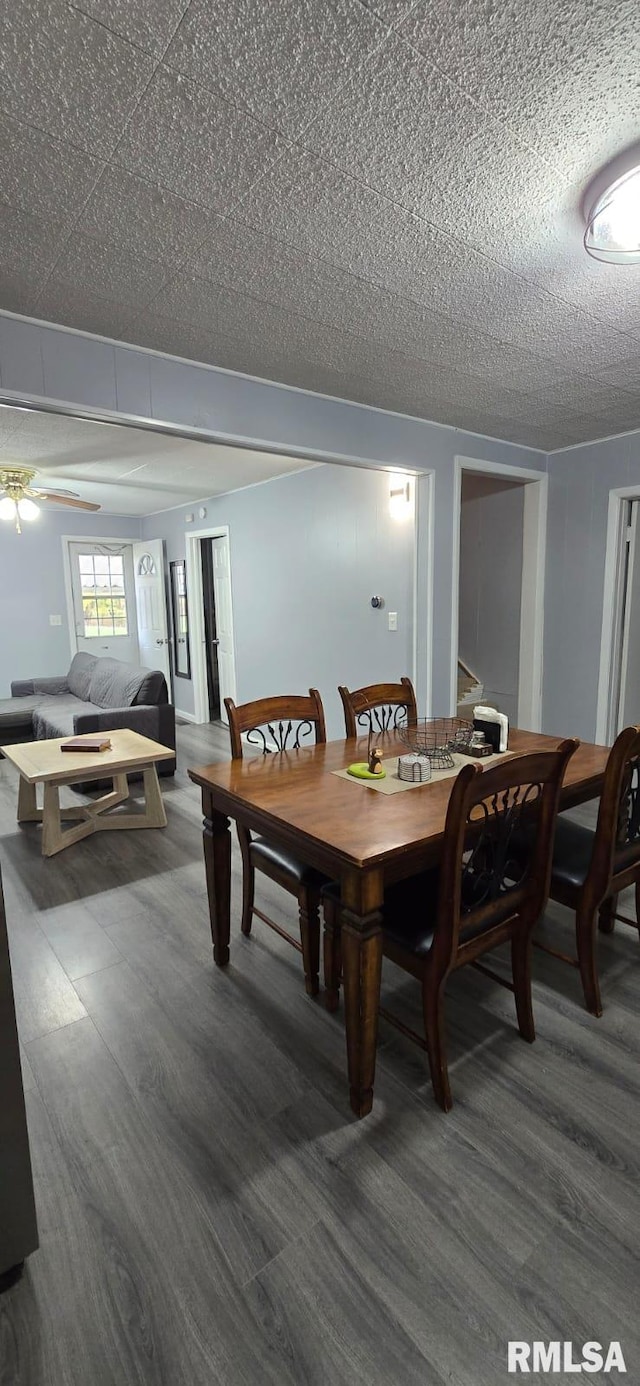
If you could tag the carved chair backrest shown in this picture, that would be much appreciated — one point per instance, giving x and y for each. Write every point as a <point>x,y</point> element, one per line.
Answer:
<point>616,845</point>
<point>480,883</point>
<point>380,707</point>
<point>276,724</point>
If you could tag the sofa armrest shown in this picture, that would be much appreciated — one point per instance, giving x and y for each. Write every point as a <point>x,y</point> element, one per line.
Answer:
<point>157,721</point>
<point>26,688</point>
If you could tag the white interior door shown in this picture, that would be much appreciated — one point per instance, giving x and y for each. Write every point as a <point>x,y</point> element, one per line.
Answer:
<point>104,607</point>
<point>151,605</point>
<point>224,620</point>
<point>629,700</point>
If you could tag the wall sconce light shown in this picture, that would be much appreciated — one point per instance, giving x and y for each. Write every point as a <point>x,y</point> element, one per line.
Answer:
<point>400,498</point>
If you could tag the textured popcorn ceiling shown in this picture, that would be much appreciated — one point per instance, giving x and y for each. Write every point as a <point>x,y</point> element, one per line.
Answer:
<point>378,200</point>
<point>129,471</point>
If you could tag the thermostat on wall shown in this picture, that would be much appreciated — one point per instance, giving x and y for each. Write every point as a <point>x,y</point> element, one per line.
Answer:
<point>202,513</point>
<point>188,519</point>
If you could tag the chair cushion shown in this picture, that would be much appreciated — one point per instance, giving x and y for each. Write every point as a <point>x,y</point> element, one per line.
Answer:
<point>572,849</point>
<point>266,855</point>
<point>409,915</point>
<point>409,911</point>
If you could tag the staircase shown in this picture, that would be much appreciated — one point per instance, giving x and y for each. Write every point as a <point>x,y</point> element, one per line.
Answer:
<point>470,691</point>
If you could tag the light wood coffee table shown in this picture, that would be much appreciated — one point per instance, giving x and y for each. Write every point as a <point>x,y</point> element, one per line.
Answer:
<point>43,762</point>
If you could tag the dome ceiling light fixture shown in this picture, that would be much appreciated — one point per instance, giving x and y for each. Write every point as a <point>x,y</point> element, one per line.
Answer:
<point>612,212</point>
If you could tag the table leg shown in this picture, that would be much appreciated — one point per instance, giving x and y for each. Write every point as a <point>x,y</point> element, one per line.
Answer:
<point>28,811</point>
<point>217,860</point>
<point>155,812</point>
<point>362,897</point>
<point>52,840</point>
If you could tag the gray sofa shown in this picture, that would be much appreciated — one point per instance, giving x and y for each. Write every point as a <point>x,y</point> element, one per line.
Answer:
<point>96,695</point>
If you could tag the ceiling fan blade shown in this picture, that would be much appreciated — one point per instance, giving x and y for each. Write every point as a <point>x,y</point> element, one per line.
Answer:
<point>66,500</point>
<point>30,491</point>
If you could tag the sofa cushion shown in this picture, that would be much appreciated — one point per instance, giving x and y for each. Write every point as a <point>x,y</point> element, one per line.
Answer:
<point>153,689</point>
<point>115,684</point>
<point>55,716</point>
<point>17,712</point>
<point>79,676</point>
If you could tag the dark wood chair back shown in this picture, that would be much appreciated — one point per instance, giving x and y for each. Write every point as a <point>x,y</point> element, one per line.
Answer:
<point>481,886</point>
<point>380,707</point>
<point>276,724</point>
<point>616,845</point>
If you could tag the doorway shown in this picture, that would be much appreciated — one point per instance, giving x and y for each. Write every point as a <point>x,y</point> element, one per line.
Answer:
<point>210,628</point>
<point>623,683</point>
<point>498,587</point>
<point>116,600</point>
<point>209,589</point>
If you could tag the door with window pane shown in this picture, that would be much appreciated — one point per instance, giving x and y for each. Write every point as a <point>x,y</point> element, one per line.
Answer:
<point>103,599</point>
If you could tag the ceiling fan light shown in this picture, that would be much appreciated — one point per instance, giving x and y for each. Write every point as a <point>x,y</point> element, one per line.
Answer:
<point>27,509</point>
<point>7,508</point>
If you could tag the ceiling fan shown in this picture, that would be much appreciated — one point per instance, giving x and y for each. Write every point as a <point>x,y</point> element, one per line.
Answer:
<point>18,497</point>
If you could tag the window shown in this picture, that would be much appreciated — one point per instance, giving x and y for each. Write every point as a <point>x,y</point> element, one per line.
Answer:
<point>104,607</point>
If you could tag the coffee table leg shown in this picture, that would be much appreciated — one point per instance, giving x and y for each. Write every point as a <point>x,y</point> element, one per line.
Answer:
<point>362,970</point>
<point>28,811</point>
<point>52,839</point>
<point>155,813</point>
<point>217,860</point>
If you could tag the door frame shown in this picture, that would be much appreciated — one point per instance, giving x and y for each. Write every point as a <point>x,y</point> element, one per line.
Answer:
<point>196,618</point>
<point>423,485</point>
<point>534,543</point>
<point>68,539</point>
<point>612,595</point>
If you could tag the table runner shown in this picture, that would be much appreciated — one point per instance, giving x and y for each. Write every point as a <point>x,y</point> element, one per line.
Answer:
<point>391,784</point>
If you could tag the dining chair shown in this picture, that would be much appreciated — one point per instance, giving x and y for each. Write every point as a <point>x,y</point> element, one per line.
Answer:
<point>475,900</point>
<point>278,725</point>
<point>380,707</point>
<point>590,867</point>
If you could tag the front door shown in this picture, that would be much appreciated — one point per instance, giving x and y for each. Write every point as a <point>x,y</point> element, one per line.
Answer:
<point>224,620</point>
<point>151,604</point>
<point>104,608</point>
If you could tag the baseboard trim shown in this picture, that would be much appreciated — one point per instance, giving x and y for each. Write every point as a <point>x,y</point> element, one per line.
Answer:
<point>186,716</point>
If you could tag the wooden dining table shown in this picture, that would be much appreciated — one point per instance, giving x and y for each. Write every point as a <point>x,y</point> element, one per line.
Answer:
<point>355,835</point>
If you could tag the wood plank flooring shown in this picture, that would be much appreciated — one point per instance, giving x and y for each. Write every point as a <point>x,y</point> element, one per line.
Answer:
<point>209,1210</point>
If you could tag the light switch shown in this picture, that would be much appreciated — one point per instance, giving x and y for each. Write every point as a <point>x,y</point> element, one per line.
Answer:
<point>55,620</point>
<point>393,620</point>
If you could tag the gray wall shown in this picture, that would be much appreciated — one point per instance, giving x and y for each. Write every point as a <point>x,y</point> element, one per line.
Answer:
<point>52,364</point>
<point>580,480</point>
<point>32,589</point>
<point>308,552</point>
<point>491,532</point>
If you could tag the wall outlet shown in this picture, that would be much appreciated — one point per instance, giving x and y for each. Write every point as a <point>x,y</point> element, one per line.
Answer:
<point>393,620</point>
<point>55,620</point>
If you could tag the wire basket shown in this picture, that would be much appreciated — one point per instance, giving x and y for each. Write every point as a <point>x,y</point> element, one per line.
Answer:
<point>437,738</point>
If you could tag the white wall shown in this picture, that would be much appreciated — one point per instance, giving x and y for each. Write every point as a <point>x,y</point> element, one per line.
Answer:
<point>491,535</point>
<point>32,589</point>
<point>308,552</point>
<point>580,480</point>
